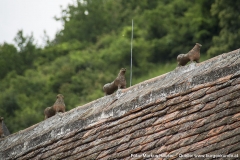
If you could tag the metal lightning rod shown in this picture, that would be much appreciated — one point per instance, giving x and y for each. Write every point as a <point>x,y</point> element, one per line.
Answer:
<point>131,56</point>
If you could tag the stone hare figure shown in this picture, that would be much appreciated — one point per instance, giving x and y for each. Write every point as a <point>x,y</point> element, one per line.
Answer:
<point>192,55</point>
<point>58,106</point>
<point>3,129</point>
<point>118,83</point>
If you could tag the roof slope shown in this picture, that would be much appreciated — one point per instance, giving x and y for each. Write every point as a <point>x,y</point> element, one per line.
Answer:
<point>193,110</point>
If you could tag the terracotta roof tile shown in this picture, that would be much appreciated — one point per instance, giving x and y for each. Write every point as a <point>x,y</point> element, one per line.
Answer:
<point>234,103</point>
<point>171,123</point>
<point>185,142</point>
<point>215,131</point>
<point>198,94</point>
<point>199,123</point>
<point>234,149</point>
<point>136,149</point>
<point>179,106</point>
<point>162,149</point>
<point>235,81</point>
<point>237,117</point>
<point>179,151</point>
<point>166,118</point>
<point>92,156</point>
<point>196,102</point>
<point>209,105</point>
<point>149,146</point>
<point>198,145</point>
<point>160,113</point>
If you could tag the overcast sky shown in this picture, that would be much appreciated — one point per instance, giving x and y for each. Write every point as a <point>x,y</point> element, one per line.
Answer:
<point>32,16</point>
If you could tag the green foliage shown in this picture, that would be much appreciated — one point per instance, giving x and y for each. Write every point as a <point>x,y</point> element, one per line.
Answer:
<point>8,55</point>
<point>94,45</point>
<point>27,50</point>
<point>228,15</point>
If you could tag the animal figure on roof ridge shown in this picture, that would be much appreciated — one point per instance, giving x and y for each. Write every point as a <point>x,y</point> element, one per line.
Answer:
<point>118,83</point>
<point>192,55</point>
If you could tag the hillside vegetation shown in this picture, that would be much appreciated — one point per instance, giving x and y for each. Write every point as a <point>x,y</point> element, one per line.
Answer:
<point>94,45</point>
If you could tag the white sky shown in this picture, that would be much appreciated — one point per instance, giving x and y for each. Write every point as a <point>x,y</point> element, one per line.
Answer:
<point>32,16</point>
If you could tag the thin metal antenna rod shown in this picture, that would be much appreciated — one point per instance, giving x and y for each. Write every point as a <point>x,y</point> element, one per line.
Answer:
<point>131,56</point>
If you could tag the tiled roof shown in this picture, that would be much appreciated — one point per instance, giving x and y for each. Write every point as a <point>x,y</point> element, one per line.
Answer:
<point>192,111</point>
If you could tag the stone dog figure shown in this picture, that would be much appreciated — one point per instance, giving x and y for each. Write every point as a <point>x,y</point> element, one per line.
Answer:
<point>192,55</point>
<point>118,83</point>
<point>3,129</point>
<point>58,106</point>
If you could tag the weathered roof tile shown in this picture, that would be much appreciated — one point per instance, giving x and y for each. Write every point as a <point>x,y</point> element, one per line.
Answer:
<point>179,106</point>
<point>235,81</point>
<point>209,106</point>
<point>167,118</point>
<point>199,123</point>
<point>148,146</point>
<point>198,94</point>
<point>234,149</point>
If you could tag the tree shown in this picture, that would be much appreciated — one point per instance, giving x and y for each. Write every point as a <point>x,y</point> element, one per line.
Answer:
<point>27,50</point>
<point>8,59</point>
<point>227,13</point>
